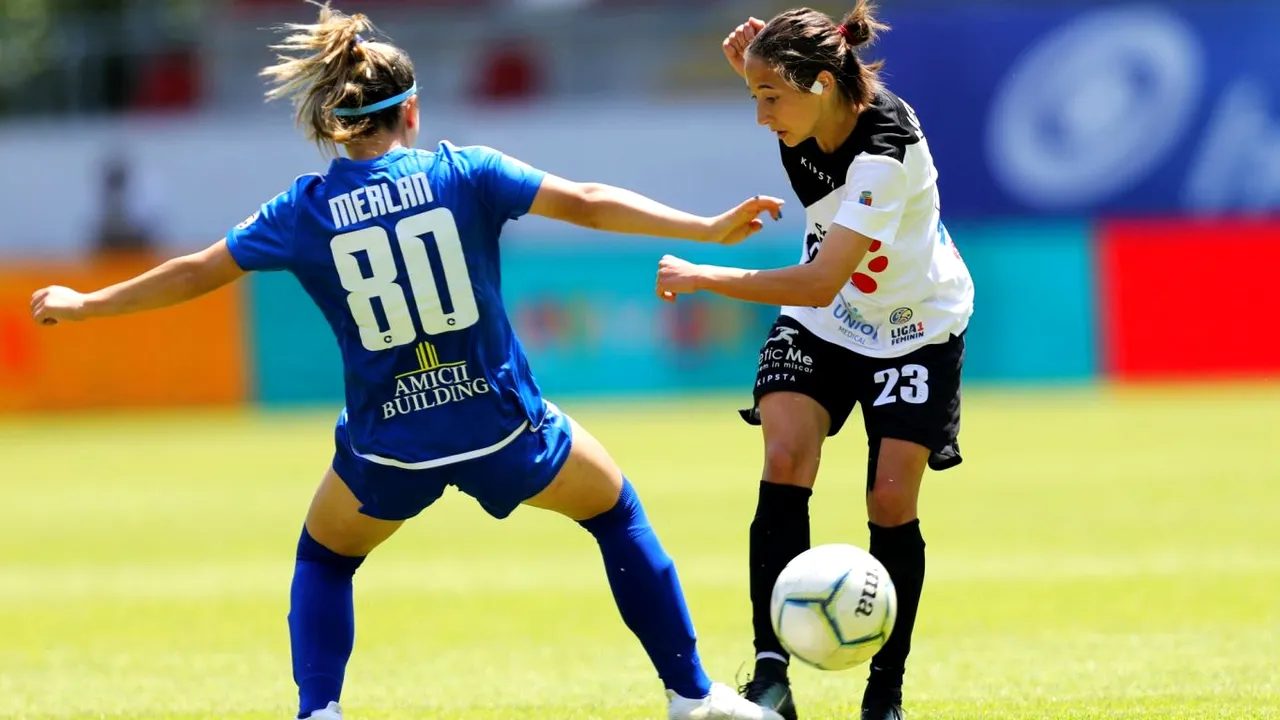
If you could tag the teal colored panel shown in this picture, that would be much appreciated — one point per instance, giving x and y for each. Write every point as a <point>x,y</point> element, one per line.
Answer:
<point>587,315</point>
<point>1035,311</point>
<point>584,309</point>
<point>295,356</point>
<point>591,323</point>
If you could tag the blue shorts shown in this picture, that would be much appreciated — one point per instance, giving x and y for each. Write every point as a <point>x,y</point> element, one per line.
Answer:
<point>500,481</point>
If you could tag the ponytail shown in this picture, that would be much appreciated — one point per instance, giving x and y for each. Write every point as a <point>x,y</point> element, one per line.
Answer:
<point>330,65</point>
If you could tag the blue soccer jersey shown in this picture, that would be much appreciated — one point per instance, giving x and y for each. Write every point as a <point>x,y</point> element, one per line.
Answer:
<point>400,253</point>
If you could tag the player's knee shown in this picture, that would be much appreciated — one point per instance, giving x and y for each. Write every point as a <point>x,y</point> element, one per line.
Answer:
<point>891,502</point>
<point>790,462</point>
<point>310,550</point>
<point>626,514</point>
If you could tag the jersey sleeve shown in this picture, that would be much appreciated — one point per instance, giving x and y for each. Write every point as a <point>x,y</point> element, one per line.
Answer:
<point>508,185</point>
<point>264,240</point>
<point>875,196</point>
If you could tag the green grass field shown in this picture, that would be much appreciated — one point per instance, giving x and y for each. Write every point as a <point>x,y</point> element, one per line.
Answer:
<point>1101,554</point>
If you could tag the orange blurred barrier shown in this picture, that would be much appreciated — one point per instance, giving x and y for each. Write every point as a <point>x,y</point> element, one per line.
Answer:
<point>193,354</point>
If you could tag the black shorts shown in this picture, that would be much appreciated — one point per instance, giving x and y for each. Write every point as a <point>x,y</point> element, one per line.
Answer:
<point>915,397</point>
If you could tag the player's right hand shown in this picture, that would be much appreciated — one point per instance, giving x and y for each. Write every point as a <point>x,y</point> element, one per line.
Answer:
<point>735,46</point>
<point>55,303</point>
<point>736,225</point>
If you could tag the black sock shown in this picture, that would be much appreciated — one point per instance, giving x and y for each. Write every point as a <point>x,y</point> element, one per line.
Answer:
<point>779,532</point>
<point>901,551</point>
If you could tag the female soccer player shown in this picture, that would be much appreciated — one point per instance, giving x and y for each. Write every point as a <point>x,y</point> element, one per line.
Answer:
<point>874,314</point>
<point>399,249</point>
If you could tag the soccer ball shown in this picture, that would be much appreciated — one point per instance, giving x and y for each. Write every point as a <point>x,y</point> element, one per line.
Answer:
<point>833,607</point>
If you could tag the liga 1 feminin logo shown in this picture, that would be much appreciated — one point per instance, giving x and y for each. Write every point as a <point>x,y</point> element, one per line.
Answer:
<point>906,333</point>
<point>904,330</point>
<point>901,316</point>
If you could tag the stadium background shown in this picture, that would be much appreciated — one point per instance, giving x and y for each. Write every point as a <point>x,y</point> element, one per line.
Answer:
<point>1110,172</point>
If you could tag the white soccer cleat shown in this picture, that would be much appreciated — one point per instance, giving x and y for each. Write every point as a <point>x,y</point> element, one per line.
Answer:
<point>721,704</point>
<point>332,711</point>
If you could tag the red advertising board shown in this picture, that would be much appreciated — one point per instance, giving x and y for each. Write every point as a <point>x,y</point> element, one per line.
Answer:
<point>1189,299</point>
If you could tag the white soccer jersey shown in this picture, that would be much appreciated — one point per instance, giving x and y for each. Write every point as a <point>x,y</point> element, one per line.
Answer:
<point>912,287</point>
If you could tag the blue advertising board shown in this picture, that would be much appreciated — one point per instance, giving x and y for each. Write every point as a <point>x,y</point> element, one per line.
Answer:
<point>1080,109</point>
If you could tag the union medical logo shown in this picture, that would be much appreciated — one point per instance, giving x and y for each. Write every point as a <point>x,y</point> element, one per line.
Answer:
<point>854,326</point>
<point>432,384</point>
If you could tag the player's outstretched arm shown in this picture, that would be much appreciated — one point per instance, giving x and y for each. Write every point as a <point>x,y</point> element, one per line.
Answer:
<point>613,209</point>
<point>813,284</point>
<point>173,282</point>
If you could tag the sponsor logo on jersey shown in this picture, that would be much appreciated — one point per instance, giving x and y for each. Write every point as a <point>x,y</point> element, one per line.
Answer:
<point>906,333</point>
<point>822,176</point>
<point>901,316</point>
<point>432,384</point>
<point>813,241</point>
<point>854,326</point>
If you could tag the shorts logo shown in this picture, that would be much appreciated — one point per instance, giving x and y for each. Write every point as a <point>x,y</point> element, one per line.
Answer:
<point>854,326</point>
<point>783,334</point>
<point>901,316</point>
<point>865,198</point>
<point>782,361</point>
<point>907,333</point>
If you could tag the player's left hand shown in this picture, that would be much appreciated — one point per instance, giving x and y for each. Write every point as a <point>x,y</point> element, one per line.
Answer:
<point>55,303</point>
<point>743,221</point>
<point>676,277</point>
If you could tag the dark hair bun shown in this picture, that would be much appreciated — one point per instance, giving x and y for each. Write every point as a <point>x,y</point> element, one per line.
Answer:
<point>860,26</point>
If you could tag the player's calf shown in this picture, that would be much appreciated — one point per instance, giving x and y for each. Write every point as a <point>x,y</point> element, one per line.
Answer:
<point>331,547</point>
<point>894,474</point>
<point>794,426</point>
<point>647,591</point>
<point>590,489</point>
<point>321,624</point>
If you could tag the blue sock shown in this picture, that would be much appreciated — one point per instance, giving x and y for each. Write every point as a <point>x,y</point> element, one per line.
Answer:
<point>322,625</point>
<point>647,590</point>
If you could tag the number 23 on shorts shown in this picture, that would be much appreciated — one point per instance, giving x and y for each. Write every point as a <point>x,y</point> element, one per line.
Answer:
<point>911,384</point>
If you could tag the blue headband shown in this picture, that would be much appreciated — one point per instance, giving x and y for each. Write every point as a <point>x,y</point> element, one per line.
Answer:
<point>382,105</point>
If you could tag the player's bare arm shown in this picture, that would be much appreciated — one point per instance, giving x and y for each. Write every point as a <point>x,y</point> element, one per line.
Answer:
<point>614,209</point>
<point>813,284</point>
<point>170,283</point>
